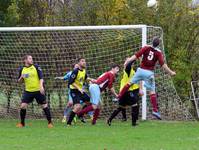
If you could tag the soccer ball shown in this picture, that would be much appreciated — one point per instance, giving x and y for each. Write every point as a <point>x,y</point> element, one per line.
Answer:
<point>152,3</point>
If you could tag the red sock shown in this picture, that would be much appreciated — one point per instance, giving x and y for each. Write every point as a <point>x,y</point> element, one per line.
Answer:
<point>85,110</point>
<point>95,116</point>
<point>153,100</point>
<point>124,90</point>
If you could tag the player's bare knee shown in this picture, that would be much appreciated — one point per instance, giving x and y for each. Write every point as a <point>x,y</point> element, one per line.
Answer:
<point>69,104</point>
<point>44,105</point>
<point>23,105</point>
<point>151,92</point>
<point>94,106</point>
<point>77,108</point>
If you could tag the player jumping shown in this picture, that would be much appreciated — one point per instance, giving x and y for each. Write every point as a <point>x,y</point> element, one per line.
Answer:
<point>150,55</point>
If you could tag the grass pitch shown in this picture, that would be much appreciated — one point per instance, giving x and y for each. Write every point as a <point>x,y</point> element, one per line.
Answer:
<point>148,135</point>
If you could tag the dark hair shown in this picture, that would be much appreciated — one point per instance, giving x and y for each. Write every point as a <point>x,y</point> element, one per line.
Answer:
<point>156,41</point>
<point>114,66</point>
<point>78,59</point>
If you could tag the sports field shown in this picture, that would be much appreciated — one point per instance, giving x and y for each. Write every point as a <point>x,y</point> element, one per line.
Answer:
<point>148,135</point>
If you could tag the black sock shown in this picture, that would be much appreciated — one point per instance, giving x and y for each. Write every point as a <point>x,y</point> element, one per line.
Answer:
<point>47,113</point>
<point>134,113</point>
<point>70,119</point>
<point>124,113</point>
<point>23,115</point>
<point>115,112</point>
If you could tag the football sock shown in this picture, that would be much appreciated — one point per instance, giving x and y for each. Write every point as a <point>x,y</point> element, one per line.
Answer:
<point>153,100</point>
<point>124,113</point>
<point>114,114</point>
<point>47,113</point>
<point>95,116</point>
<point>23,115</point>
<point>134,113</point>
<point>70,119</point>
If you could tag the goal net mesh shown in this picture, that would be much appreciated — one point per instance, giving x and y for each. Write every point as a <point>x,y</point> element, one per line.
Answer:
<point>57,50</point>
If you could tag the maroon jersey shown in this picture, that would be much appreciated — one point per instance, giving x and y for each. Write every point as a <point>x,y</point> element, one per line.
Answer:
<point>106,80</point>
<point>150,57</point>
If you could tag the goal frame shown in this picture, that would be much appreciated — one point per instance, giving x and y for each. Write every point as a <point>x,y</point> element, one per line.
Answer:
<point>108,27</point>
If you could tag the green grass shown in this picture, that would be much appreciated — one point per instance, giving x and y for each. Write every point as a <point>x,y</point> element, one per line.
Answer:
<point>149,135</point>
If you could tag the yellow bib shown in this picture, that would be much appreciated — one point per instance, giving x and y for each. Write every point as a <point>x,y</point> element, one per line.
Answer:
<point>126,79</point>
<point>31,79</point>
<point>80,79</point>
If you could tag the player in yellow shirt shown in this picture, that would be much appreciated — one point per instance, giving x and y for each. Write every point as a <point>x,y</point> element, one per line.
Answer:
<point>130,98</point>
<point>32,77</point>
<point>77,80</point>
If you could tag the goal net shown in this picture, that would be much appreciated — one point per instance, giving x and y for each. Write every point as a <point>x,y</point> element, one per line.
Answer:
<point>55,49</point>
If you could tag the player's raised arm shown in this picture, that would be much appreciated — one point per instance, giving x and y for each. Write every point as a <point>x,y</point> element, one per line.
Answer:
<point>113,92</point>
<point>168,70</point>
<point>59,78</point>
<point>136,56</point>
<point>164,65</point>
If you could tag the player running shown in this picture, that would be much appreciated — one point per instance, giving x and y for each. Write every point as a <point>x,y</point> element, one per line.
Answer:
<point>150,56</point>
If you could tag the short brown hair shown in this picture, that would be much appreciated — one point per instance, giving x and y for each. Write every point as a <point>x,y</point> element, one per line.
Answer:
<point>26,57</point>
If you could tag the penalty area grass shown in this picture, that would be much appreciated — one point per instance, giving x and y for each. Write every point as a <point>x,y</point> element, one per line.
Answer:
<point>148,135</point>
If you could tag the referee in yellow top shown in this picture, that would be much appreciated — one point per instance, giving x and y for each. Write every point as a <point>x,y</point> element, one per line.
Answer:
<point>32,77</point>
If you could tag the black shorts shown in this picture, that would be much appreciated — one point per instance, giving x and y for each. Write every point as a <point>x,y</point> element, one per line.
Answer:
<point>28,97</point>
<point>129,98</point>
<point>77,96</point>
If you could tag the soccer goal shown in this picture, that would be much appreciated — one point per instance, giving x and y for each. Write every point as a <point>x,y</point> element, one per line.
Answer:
<point>55,49</point>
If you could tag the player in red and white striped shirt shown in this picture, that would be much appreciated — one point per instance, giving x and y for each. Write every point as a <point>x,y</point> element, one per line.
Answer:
<point>150,56</point>
<point>104,81</point>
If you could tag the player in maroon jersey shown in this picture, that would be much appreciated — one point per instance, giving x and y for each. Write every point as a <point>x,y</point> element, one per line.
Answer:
<point>95,89</point>
<point>150,56</point>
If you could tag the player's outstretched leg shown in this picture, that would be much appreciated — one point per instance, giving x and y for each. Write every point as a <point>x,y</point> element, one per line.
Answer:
<point>81,115</point>
<point>124,90</point>
<point>113,115</point>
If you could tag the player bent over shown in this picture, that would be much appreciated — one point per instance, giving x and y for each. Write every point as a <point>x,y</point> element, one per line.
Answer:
<point>32,76</point>
<point>95,89</point>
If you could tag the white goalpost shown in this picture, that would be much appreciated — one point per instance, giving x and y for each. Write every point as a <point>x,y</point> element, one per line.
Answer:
<point>56,48</point>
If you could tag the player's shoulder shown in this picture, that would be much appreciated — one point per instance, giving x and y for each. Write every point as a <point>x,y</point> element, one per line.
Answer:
<point>76,70</point>
<point>37,67</point>
<point>20,68</point>
<point>111,74</point>
<point>150,47</point>
<point>157,49</point>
